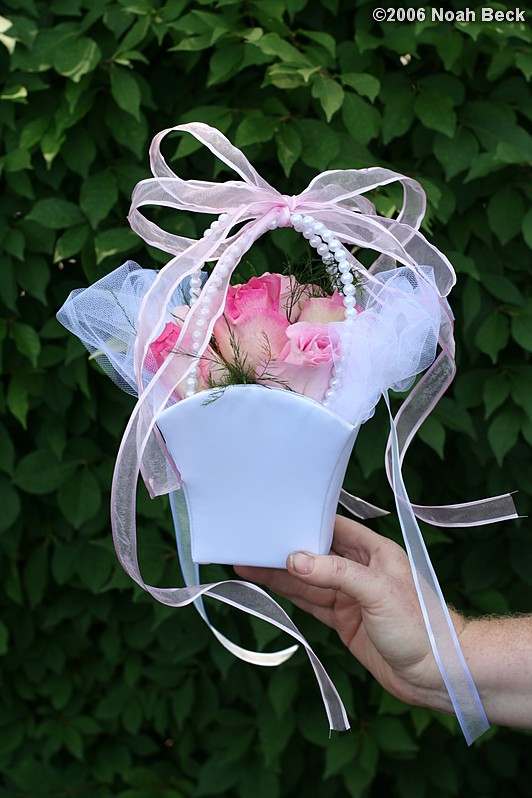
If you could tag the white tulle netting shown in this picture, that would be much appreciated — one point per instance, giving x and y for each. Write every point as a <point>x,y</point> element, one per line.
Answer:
<point>104,317</point>
<point>385,346</point>
<point>388,343</point>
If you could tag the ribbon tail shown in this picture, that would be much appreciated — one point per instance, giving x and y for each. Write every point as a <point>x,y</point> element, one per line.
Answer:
<point>190,571</point>
<point>443,638</point>
<point>360,508</point>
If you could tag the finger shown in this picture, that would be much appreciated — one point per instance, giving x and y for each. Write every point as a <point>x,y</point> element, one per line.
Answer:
<point>285,584</point>
<point>369,588</point>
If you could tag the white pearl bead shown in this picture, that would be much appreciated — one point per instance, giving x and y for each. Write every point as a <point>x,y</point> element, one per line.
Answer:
<point>349,290</point>
<point>315,241</point>
<point>215,224</point>
<point>192,382</point>
<point>319,228</point>
<point>307,232</point>
<point>223,216</point>
<point>201,323</point>
<point>307,220</point>
<point>196,346</point>
<point>334,382</point>
<point>322,249</point>
<point>344,266</point>
<point>207,233</point>
<point>350,313</point>
<point>340,255</point>
<point>273,223</point>
<point>346,278</point>
<point>349,301</point>
<point>334,244</point>
<point>329,393</point>
<point>296,218</point>
<point>196,335</point>
<point>327,235</point>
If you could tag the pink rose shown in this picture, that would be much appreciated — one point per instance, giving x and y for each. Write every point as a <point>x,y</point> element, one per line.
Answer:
<point>320,310</point>
<point>165,345</point>
<point>253,322</point>
<point>258,292</point>
<point>306,361</point>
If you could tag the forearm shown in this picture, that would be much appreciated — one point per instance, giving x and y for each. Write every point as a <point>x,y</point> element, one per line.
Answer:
<point>499,654</point>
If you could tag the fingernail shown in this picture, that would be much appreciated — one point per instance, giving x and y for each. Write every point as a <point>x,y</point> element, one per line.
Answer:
<point>301,562</point>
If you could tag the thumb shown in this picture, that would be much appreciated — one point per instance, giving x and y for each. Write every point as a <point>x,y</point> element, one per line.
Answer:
<point>353,579</point>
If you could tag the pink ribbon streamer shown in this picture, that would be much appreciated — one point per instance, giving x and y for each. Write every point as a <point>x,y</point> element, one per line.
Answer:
<point>251,206</point>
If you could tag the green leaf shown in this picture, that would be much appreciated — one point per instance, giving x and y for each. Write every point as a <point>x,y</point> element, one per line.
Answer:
<point>34,277</point>
<point>329,93</point>
<point>522,328</point>
<point>216,776</point>
<point>17,398</point>
<point>324,39</point>
<point>392,735</point>
<point>79,498</point>
<point>55,213</point>
<point>129,132</point>
<point>432,432</point>
<point>289,147</point>
<point>503,432</point>
<point>9,502</point>
<point>225,63</point>
<point>493,335</point>
<point>99,195</point>
<point>398,113</point>
<point>457,153</point>
<point>14,243</point>
<point>363,84</point>
<point>435,111</point>
<point>39,473</point>
<point>273,44</point>
<point>496,391</point>
<point>4,638</point>
<point>255,128</point>
<point>114,242</point>
<point>71,242</point>
<point>340,754</point>
<point>36,574</point>
<point>502,288</point>
<point>77,57</point>
<point>125,91</point>
<point>361,119</point>
<point>26,340</point>
<point>505,213</point>
<point>527,227</point>
<point>95,567</point>
<point>320,143</point>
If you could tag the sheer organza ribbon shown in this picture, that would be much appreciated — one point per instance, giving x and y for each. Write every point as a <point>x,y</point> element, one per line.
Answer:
<point>250,207</point>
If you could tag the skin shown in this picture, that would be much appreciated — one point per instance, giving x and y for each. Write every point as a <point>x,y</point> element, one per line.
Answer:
<point>364,590</point>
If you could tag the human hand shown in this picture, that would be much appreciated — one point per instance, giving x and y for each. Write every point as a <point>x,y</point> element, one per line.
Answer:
<point>364,590</point>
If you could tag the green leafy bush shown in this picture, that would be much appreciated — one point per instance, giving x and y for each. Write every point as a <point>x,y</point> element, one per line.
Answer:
<point>103,692</point>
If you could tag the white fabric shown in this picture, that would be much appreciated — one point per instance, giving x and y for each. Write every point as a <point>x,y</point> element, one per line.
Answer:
<point>262,470</point>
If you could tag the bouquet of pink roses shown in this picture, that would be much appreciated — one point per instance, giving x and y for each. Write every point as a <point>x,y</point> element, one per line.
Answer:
<point>232,379</point>
<point>274,331</point>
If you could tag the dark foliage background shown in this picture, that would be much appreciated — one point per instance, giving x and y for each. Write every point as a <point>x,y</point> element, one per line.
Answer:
<point>104,693</point>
